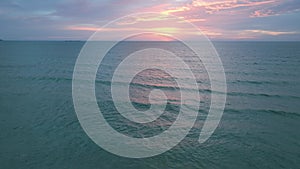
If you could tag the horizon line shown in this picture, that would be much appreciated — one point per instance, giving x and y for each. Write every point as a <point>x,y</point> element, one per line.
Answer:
<point>212,40</point>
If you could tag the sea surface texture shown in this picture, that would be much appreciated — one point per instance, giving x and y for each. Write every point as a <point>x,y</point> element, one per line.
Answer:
<point>260,126</point>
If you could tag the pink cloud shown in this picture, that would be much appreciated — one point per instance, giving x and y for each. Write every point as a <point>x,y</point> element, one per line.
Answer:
<point>222,19</point>
<point>214,6</point>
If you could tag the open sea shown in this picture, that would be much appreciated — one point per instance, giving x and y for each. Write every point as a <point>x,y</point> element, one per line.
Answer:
<point>260,127</point>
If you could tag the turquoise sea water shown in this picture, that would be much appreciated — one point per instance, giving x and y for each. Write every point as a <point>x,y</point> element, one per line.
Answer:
<point>259,128</point>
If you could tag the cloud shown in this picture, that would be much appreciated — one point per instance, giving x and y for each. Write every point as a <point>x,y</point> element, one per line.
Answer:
<point>262,13</point>
<point>211,7</point>
<point>131,20</point>
<point>217,18</point>
<point>176,10</point>
<point>215,6</point>
<point>268,32</point>
<point>280,8</point>
<point>193,20</point>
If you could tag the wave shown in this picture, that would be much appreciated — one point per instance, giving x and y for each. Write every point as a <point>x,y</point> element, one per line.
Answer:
<point>204,89</point>
<point>154,86</point>
<point>270,111</point>
<point>258,82</point>
<point>262,95</point>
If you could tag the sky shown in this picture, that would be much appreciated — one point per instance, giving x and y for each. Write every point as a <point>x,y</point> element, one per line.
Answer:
<point>266,20</point>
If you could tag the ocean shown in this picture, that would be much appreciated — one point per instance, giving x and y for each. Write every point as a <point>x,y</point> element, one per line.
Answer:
<point>259,128</point>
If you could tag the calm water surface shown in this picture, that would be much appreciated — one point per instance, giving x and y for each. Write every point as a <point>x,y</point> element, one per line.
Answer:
<point>259,128</point>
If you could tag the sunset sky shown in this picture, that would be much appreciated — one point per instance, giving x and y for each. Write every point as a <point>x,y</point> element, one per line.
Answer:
<point>219,20</point>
